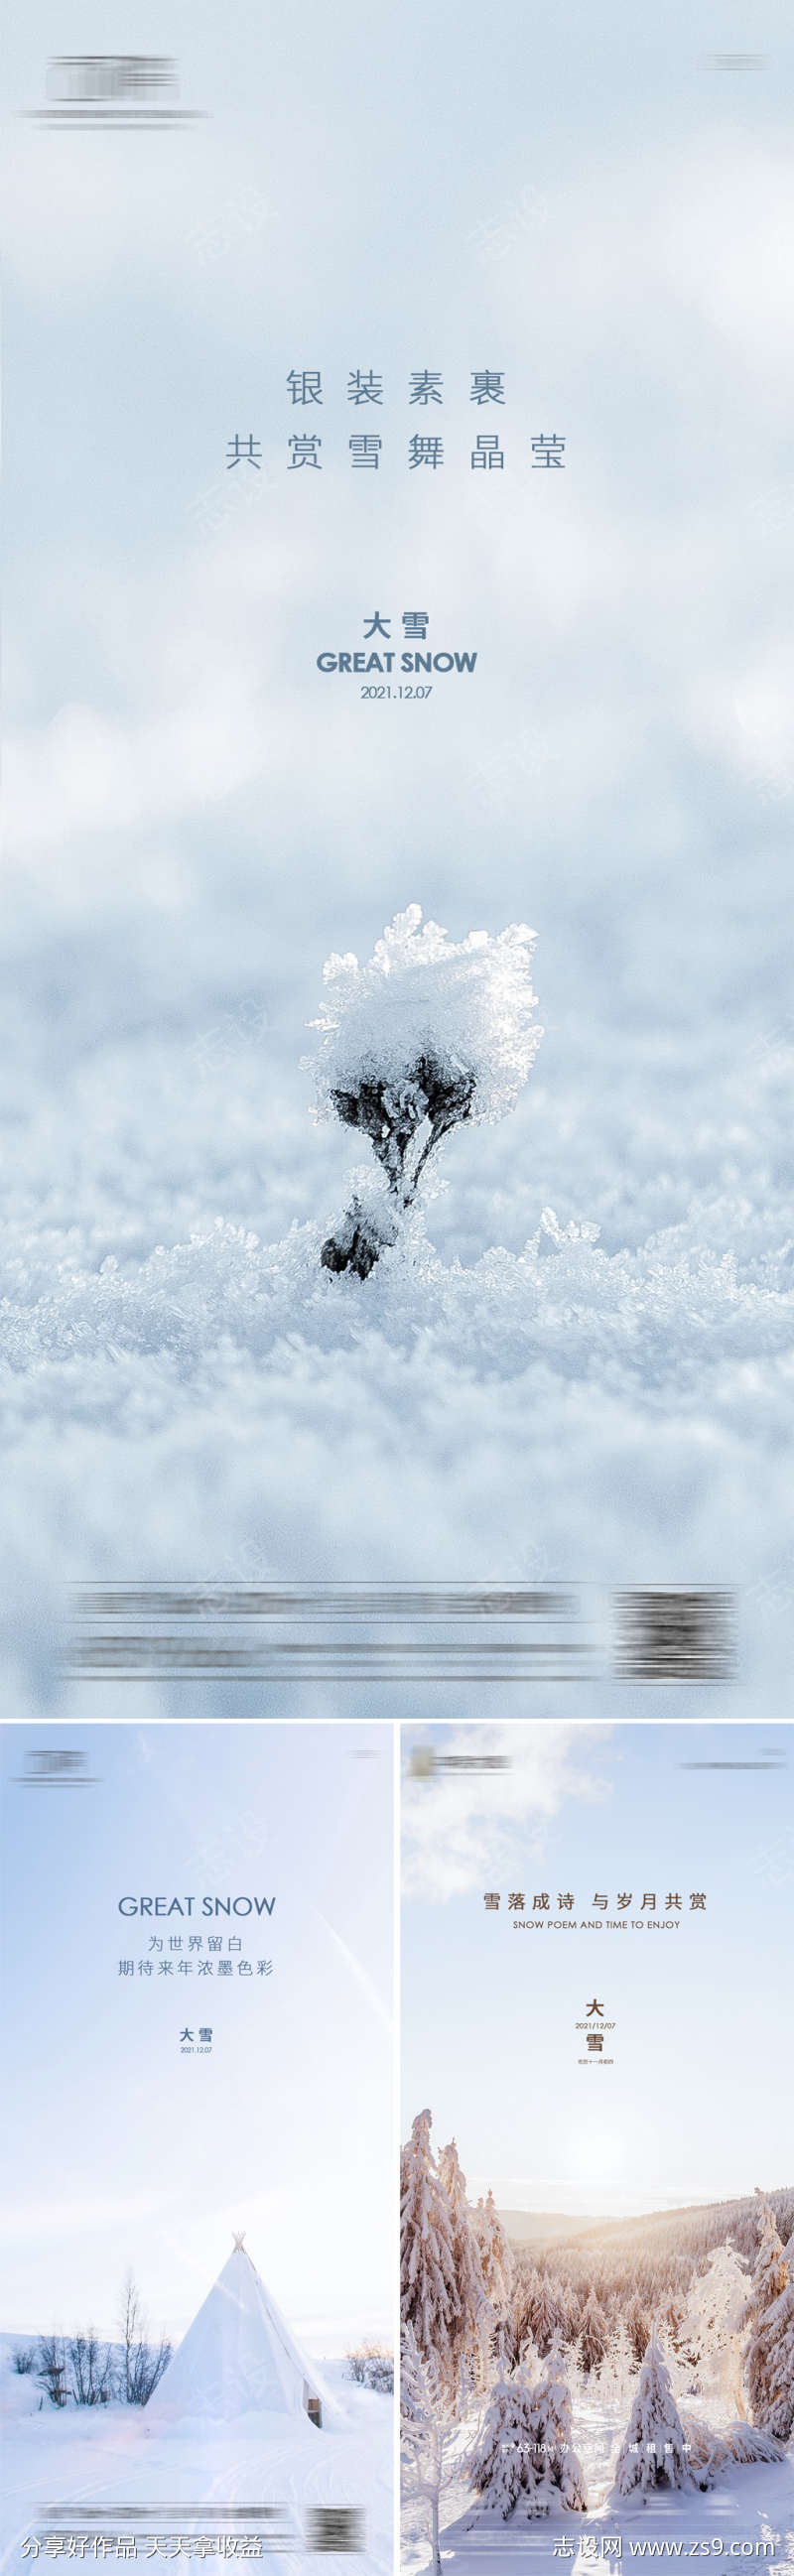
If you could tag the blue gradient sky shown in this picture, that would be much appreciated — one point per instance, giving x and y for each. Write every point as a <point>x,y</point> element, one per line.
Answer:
<point>120,2151</point>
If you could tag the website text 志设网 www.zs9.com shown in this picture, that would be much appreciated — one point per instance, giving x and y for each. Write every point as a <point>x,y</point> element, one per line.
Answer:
<point>701,2548</point>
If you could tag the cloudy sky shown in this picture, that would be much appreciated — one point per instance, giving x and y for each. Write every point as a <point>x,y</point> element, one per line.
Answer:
<point>195,816</point>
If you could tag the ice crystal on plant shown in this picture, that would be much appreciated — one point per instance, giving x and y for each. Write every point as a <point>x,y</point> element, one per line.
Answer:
<point>429,1033</point>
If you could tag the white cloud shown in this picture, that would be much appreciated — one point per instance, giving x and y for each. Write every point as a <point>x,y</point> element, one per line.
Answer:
<point>457,1825</point>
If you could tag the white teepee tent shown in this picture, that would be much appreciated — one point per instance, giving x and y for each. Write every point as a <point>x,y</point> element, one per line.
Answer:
<point>238,2358</point>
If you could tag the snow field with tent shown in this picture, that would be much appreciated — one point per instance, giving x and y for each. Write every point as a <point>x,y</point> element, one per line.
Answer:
<point>241,2416</point>
<point>535,2412</point>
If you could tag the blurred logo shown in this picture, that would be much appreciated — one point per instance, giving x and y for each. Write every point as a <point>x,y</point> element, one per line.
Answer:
<point>110,76</point>
<point>112,89</point>
<point>53,1762</point>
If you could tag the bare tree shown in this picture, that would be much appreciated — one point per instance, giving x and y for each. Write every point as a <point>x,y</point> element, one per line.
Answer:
<point>90,2368</point>
<point>143,2363</point>
<point>132,2328</point>
<point>51,2368</point>
<point>80,2358</point>
<point>147,2369</point>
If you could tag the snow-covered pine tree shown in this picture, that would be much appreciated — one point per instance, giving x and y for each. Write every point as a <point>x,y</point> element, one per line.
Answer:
<point>470,2330</point>
<point>672,2317</point>
<point>559,2465</point>
<point>770,2280</point>
<point>774,2367</point>
<point>502,2465</point>
<point>618,2368</point>
<point>713,2316</point>
<point>544,2315</point>
<point>498,2265</point>
<point>527,2292</point>
<point>653,2451</point>
<point>578,2379</point>
<point>418,2379</point>
<point>638,2327</point>
<point>429,2300</point>
<point>502,2256</point>
<point>571,2314</point>
<point>594,2336</point>
<point>517,2321</point>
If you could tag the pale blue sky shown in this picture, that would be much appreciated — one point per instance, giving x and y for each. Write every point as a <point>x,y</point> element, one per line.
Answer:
<point>119,2150</point>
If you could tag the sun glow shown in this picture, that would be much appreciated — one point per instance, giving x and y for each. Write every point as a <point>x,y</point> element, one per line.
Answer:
<point>595,2155</point>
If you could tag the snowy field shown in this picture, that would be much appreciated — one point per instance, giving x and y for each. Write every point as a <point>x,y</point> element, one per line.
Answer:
<point>106,2457</point>
<point>576,1365</point>
<point>750,2506</point>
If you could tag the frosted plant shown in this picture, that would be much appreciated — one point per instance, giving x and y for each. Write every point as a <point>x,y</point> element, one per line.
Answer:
<point>710,2453</point>
<point>748,2443</point>
<point>706,2450</point>
<point>654,2449</point>
<point>428,1034</point>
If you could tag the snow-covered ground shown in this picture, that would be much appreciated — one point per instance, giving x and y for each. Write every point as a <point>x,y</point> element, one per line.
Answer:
<point>101,2458</point>
<point>749,2506</point>
<point>580,1367</point>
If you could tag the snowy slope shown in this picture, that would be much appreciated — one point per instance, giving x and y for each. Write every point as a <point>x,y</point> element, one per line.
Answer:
<point>114,2456</point>
<point>750,2505</point>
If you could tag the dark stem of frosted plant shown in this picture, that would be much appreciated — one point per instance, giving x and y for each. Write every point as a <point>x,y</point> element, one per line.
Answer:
<point>404,1121</point>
